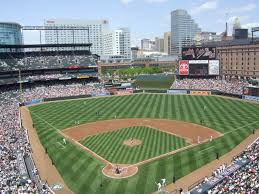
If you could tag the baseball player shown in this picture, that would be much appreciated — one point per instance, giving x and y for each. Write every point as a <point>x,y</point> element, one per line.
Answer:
<point>64,141</point>
<point>163,182</point>
<point>159,186</point>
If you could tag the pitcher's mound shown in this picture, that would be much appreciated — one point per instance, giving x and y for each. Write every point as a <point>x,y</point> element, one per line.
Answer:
<point>132,142</point>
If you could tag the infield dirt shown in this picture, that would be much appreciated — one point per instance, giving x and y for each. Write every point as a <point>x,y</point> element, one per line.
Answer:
<point>186,130</point>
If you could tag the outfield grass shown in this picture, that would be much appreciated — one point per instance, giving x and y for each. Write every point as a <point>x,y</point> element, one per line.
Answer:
<point>82,172</point>
<point>154,143</point>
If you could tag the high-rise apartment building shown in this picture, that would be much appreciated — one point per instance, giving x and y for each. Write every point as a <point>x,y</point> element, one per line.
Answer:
<point>117,43</point>
<point>91,31</point>
<point>183,31</point>
<point>167,42</point>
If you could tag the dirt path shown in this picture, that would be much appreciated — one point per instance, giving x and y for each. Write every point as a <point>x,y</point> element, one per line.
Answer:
<point>207,169</point>
<point>182,129</point>
<point>47,171</point>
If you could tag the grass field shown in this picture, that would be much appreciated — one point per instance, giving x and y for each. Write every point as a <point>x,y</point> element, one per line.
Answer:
<point>154,143</point>
<point>154,81</point>
<point>82,172</point>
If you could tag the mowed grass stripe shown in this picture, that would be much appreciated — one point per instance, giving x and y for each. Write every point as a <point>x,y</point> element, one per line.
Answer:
<point>82,173</point>
<point>110,145</point>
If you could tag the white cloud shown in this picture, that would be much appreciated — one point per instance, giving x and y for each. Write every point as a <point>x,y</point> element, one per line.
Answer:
<point>126,1</point>
<point>206,6</point>
<point>250,25</point>
<point>240,9</point>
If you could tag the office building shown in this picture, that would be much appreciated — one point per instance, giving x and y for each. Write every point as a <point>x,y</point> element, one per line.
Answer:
<point>10,33</point>
<point>159,44</point>
<point>204,37</point>
<point>89,31</point>
<point>147,45</point>
<point>183,31</point>
<point>167,42</point>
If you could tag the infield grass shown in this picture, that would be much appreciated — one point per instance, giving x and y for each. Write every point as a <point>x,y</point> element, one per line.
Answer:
<point>82,172</point>
<point>154,143</point>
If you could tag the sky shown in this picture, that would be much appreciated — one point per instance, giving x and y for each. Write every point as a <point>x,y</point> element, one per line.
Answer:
<point>145,18</point>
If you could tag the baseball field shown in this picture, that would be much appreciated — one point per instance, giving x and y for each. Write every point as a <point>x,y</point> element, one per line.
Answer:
<point>150,136</point>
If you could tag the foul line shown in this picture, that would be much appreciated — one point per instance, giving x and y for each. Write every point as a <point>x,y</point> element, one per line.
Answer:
<point>63,147</point>
<point>240,127</point>
<point>74,141</point>
<point>207,148</point>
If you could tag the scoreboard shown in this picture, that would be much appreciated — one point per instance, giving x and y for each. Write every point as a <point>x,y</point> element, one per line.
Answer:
<point>199,61</point>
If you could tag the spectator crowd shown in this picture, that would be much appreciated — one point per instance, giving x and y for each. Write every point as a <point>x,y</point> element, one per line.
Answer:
<point>224,86</point>
<point>244,180</point>
<point>14,145</point>
<point>38,60</point>
<point>57,91</point>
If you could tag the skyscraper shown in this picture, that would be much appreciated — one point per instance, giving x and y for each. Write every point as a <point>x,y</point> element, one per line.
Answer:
<point>66,36</point>
<point>183,30</point>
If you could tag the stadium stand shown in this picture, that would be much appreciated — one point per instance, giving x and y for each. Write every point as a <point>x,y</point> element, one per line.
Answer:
<point>10,61</point>
<point>239,177</point>
<point>224,86</point>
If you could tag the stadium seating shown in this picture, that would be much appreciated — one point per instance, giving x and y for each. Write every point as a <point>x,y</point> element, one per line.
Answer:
<point>44,60</point>
<point>239,177</point>
<point>224,86</point>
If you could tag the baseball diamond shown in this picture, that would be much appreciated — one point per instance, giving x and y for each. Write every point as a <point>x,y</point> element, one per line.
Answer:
<point>169,154</point>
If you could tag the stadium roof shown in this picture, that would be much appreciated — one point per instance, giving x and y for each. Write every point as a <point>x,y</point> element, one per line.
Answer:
<point>44,45</point>
<point>236,42</point>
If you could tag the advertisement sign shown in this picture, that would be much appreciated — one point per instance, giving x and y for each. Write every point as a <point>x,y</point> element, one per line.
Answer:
<point>198,61</point>
<point>34,101</point>
<point>198,53</point>
<point>184,67</point>
<point>202,93</point>
<point>82,76</point>
<point>176,91</point>
<point>252,98</point>
<point>214,67</point>
<point>124,92</point>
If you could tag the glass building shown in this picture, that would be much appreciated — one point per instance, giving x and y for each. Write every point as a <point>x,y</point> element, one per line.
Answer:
<point>183,31</point>
<point>10,33</point>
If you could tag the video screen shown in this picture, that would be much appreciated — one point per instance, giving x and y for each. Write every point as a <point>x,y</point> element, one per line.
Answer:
<point>198,53</point>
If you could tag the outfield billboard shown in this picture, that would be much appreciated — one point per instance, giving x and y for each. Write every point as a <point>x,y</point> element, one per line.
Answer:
<point>213,67</point>
<point>184,67</point>
<point>176,92</point>
<point>199,53</point>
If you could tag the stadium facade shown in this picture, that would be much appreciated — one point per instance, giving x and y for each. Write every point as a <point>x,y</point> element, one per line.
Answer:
<point>93,32</point>
<point>183,31</point>
<point>239,59</point>
<point>10,33</point>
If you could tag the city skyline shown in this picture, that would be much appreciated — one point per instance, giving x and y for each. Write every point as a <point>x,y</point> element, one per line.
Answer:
<point>145,18</point>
